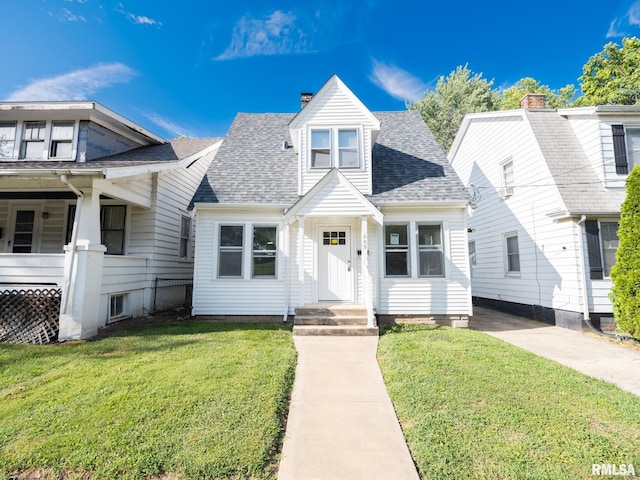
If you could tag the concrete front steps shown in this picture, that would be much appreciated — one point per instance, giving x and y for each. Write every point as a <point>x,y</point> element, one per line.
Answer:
<point>332,319</point>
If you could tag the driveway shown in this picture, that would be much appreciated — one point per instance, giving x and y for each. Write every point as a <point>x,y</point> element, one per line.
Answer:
<point>593,356</point>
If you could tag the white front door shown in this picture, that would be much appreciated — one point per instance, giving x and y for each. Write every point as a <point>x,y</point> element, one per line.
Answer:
<point>23,236</point>
<point>335,269</point>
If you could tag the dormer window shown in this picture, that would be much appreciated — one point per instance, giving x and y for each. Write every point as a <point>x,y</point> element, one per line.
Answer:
<point>33,140</point>
<point>7,139</point>
<point>335,147</point>
<point>61,139</point>
<point>320,148</point>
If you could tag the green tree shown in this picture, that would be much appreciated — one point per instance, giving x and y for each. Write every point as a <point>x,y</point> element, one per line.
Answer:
<point>612,76</point>
<point>461,92</point>
<point>625,274</point>
<point>511,97</point>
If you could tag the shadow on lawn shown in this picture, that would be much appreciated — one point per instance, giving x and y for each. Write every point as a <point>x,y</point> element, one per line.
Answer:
<point>398,328</point>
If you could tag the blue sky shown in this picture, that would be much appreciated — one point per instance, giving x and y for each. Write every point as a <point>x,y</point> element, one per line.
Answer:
<point>186,68</point>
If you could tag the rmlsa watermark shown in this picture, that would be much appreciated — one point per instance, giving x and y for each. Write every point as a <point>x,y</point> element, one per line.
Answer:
<point>622,469</point>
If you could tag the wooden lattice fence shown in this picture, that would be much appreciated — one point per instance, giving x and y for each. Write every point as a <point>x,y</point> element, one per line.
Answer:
<point>30,316</point>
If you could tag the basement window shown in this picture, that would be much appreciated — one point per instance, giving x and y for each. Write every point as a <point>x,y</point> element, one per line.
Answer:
<point>118,306</point>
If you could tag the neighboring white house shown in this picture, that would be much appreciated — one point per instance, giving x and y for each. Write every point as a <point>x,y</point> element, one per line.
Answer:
<point>548,189</point>
<point>332,205</point>
<point>95,205</point>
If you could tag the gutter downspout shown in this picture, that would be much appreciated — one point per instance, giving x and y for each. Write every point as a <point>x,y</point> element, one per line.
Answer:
<point>586,316</point>
<point>74,239</point>
<point>285,317</point>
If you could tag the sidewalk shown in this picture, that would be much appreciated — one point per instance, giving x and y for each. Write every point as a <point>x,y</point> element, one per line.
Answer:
<point>595,357</point>
<point>341,423</point>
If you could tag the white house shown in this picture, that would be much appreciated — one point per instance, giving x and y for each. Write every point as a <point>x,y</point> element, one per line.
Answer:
<point>332,206</point>
<point>548,189</point>
<point>96,206</point>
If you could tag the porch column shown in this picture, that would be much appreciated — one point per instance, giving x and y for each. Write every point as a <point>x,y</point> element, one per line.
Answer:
<point>79,313</point>
<point>300,261</point>
<point>366,280</point>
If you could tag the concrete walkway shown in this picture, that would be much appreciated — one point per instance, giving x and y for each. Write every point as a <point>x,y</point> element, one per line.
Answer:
<point>592,356</point>
<point>341,423</point>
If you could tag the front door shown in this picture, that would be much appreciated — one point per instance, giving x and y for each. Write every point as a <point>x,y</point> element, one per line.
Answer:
<point>335,269</point>
<point>22,237</point>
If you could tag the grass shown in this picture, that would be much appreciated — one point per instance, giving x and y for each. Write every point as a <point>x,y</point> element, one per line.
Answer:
<point>190,400</point>
<point>472,406</point>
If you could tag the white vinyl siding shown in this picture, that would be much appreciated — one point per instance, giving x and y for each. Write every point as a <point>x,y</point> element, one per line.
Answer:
<point>548,249</point>
<point>337,111</point>
<point>416,295</point>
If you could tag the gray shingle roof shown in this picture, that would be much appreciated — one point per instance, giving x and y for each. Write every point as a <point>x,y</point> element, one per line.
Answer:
<point>408,163</point>
<point>171,151</point>
<point>252,167</point>
<point>579,186</point>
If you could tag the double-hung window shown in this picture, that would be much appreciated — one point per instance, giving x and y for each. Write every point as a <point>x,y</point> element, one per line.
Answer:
<point>61,140</point>
<point>264,251</point>
<point>230,254</point>
<point>112,227</point>
<point>507,178</point>
<point>335,147</point>
<point>185,236</point>
<point>512,253</point>
<point>7,139</point>
<point>33,140</point>
<point>430,252</point>
<point>610,242</point>
<point>321,148</point>
<point>396,250</point>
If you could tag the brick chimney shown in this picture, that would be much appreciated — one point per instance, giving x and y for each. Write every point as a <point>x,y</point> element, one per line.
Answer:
<point>533,100</point>
<point>305,97</point>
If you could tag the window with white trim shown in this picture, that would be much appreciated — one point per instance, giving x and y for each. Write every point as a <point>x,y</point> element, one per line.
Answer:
<point>512,251</point>
<point>507,178</point>
<point>33,139</point>
<point>185,237</point>
<point>396,247</point>
<point>610,243</point>
<point>7,139</point>
<point>335,147</point>
<point>61,139</point>
<point>430,251</point>
<point>112,227</point>
<point>118,306</point>
<point>472,255</point>
<point>264,251</point>
<point>230,251</point>
<point>321,148</point>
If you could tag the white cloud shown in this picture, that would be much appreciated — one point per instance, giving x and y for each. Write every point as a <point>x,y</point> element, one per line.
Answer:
<point>305,29</point>
<point>398,83</point>
<point>76,85</point>
<point>65,15</point>
<point>272,35</point>
<point>621,26</point>
<point>137,19</point>
<point>168,125</point>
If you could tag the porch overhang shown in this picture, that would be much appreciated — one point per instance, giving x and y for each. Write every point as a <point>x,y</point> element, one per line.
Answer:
<point>333,196</point>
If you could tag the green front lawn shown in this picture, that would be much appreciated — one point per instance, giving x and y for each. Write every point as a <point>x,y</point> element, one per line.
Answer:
<point>472,406</point>
<point>190,400</point>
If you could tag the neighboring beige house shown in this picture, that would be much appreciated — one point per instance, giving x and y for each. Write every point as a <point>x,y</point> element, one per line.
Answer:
<point>95,205</point>
<point>332,206</point>
<point>548,189</point>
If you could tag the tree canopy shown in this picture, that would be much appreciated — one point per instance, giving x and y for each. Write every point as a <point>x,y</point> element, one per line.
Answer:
<point>461,92</point>
<point>555,98</point>
<point>612,76</point>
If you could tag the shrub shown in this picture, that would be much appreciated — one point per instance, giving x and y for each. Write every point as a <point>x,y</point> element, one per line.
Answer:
<point>625,274</point>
